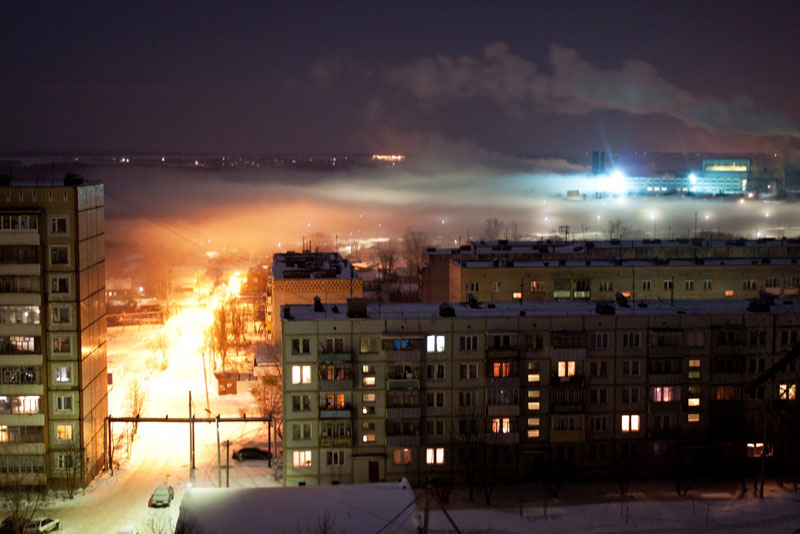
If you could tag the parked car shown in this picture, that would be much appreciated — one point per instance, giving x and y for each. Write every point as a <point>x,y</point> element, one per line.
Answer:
<point>251,453</point>
<point>162,496</point>
<point>35,526</point>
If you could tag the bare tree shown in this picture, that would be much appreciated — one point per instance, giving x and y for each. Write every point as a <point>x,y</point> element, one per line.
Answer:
<point>268,395</point>
<point>160,522</point>
<point>162,278</point>
<point>413,246</point>
<point>137,397</point>
<point>492,229</point>
<point>158,345</point>
<point>387,252</point>
<point>618,229</point>
<point>22,496</point>
<point>238,323</point>
<point>73,466</point>
<point>469,438</point>
<point>515,235</point>
<point>219,334</point>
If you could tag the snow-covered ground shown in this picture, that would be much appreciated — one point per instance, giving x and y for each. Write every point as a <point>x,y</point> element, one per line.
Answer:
<point>160,453</point>
<point>778,513</point>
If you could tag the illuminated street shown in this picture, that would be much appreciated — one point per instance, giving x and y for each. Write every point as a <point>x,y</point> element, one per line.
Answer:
<point>160,453</point>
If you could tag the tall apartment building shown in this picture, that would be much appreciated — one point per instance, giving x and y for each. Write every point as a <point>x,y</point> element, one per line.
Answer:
<point>436,284</point>
<point>298,277</point>
<point>379,392</point>
<point>53,380</point>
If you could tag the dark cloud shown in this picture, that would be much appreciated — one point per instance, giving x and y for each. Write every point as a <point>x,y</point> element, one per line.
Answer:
<point>576,87</point>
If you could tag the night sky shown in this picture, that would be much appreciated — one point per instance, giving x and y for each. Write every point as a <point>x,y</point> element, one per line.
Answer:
<point>514,77</point>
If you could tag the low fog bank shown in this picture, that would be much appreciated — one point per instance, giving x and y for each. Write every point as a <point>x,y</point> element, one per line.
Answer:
<point>176,213</point>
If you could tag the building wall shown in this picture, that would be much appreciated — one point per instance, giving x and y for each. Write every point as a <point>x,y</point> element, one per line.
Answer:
<point>603,282</point>
<point>543,419</point>
<point>68,274</point>
<point>435,272</point>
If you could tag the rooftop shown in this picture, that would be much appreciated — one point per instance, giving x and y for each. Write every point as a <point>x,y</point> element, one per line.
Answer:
<point>311,266</point>
<point>424,310</point>
<point>579,248</point>
<point>486,264</point>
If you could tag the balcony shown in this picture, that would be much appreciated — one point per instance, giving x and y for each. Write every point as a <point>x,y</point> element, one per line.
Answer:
<point>568,353</point>
<point>493,410</point>
<point>402,383</point>
<point>336,385</point>
<point>403,412</point>
<point>502,352</point>
<point>504,381</point>
<point>343,412</point>
<point>336,441</point>
<point>335,356</point>
<point>667,352</point>
<point>403,441</point>
<point>584,295</point>
<point>508,438</point>
<point>729,350</point>
<point>663,433</point>
<point>574,380</point>
<point>567,399</point>
<point>567,436</point>
<point>403,355</point>
<point>665,379</point>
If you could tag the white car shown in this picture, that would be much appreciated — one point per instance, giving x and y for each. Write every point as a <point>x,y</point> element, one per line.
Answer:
<point>35,526</point>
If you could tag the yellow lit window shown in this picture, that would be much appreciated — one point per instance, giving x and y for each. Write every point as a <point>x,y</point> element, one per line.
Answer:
<point>729,292</point>
<point>517,294</point>
<point>694,363</point>
<point>368,438</point>
<point>630,423</point>
<point>301,458</point>
<point>533,406</point>
<point>534,377</point>
<point>787,391</point>
<point>369,381</point>
<point>693,417</point>
<point>434,456</point>
<point>64,432</point>
<point>533,433</point>
<point>694,402</point>
<point>566,369</point>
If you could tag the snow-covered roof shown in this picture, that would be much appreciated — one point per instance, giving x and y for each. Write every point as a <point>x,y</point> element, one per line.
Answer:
<point>311,265</point>
<point>387,507</point>
<point>487,264</point>
<point>579,248</point>
<point>425,310</point>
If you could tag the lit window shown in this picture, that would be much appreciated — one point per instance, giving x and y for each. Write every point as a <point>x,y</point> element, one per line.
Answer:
<point>501,425</point>
<point>729,292</point>
<point>787,391</point>
<point>301,458</point>
<point>435,343</point>
<point>630,423</point>
<point>517,295</point>
<point>694,401</point>
<point>64,432</point>
<point>301,374</point>
<point>63,374</point>
<point>533,432</point>
<point>757,450</point>
<point>434,456</point>
<point>368,438</point>
<point>368,381</point>
<point>566,369</point>
<point>401,456</point>
<point>533,406</point>
<point>534,377</point>
<point>368,397</point>
<point>693,417</point>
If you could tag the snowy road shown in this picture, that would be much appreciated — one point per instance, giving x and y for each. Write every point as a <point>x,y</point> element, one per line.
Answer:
<point>160,453</point>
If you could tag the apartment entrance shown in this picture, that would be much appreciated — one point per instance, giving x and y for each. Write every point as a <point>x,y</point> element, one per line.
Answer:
<point>374,472</point>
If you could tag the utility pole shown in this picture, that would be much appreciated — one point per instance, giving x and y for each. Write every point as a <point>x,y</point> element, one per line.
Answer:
<point>205,378</point>
<point>227,463</point>
<point>219,460</point>
<point>191,440</point>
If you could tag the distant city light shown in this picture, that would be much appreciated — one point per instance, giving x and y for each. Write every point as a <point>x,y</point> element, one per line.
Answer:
<point>388,157</point>
<point>693,178</point>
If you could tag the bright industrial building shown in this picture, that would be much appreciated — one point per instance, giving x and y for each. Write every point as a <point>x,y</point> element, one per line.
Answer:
<point>520,391</point>
<point>53,385</point>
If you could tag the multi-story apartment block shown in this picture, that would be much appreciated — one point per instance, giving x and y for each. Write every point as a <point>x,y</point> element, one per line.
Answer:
<point>542,280</point>
<point>447,275</point>
<point>379,392</point>
<point>53,381</point>
<point>298,277</point>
